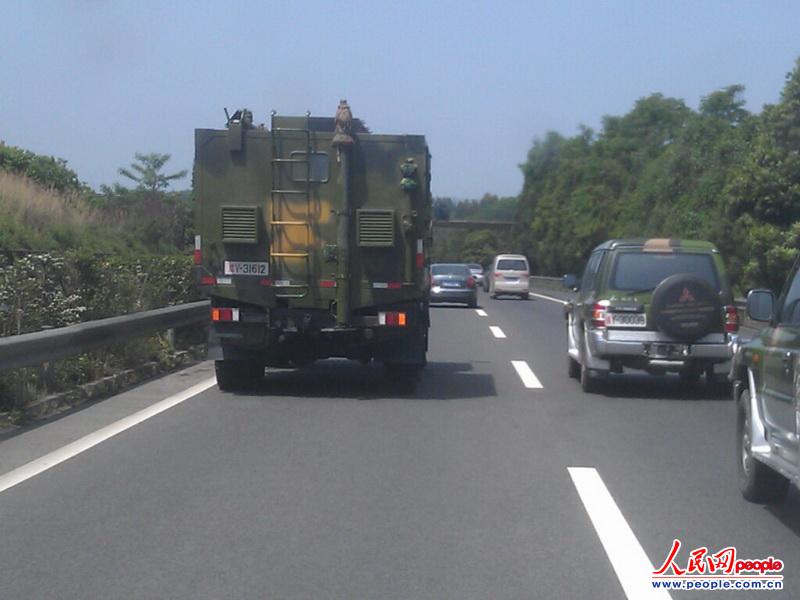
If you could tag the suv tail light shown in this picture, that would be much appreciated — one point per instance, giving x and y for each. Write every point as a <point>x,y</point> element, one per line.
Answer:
<point>599,314</point>
<point>731,319</point>
<point>497,275</point>
<point>470,282</point>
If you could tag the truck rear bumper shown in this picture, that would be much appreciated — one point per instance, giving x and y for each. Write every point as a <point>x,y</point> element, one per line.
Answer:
<point>287,337</point>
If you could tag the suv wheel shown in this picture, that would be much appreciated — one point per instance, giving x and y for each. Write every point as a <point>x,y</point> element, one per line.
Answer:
<point>757,481</point>
<point>690,374</point>
<point>589,382</point>
<point>573,368</point>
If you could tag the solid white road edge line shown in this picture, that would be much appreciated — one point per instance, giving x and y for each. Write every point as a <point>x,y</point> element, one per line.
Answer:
<point>56,457</point>
<point>497,332</point>
<point>529,378</point>
<point>543,297</point>
<point>630,563</point>
<point>481,312</point>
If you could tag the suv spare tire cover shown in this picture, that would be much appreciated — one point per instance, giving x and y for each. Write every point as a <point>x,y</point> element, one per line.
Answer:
<point>686,307</point>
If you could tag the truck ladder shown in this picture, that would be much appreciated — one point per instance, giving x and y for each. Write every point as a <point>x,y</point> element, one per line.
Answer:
<point>284,200</point>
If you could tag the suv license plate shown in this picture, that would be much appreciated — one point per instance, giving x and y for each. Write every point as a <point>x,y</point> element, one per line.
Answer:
<point>259,269</point>
<point>666,350</point>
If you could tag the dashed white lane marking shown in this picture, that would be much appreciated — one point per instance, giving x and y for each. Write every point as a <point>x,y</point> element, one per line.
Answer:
<point>551,298</point>
<point>481,312</point>
<point>529,378</point>
<point>630,563</point>
<point>56,457</point>
<point>497,332</point>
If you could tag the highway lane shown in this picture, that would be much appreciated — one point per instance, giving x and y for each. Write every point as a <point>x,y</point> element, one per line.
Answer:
<point>334,482</point>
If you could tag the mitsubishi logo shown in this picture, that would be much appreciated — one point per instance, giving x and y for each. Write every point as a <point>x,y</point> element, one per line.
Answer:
<point>686,296</point>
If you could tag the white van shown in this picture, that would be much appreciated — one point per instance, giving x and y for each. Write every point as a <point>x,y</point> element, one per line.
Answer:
<point>510,275</point>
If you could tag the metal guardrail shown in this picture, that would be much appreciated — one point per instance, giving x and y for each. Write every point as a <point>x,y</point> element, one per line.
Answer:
<point>29,349</point>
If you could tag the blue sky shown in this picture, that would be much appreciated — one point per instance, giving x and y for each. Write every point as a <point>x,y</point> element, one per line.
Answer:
<point>93,82</point>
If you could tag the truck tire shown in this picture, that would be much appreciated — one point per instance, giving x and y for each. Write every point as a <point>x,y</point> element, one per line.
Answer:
<point>233,375</point>
<point>757,482</point>
<point>686,307</point>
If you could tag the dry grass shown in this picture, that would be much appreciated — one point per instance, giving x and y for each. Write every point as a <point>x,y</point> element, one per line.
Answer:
<point>28,204</point>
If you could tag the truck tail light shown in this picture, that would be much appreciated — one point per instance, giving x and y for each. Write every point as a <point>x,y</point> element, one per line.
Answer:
<point>420,253</point>
<point>599,314</point>
<point>224,314</point>
<point>731,319</point>
<point>198,256</point>
<point>470,282</point>
<point>392,319</point>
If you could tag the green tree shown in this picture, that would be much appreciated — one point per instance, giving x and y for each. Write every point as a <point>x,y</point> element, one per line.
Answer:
<point>161,219</point>
<point>479,247</point>
<point>765,191</point>
<point>146,172</point>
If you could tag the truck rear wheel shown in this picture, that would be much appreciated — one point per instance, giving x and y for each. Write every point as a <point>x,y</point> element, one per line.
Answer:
<point>235,375</point>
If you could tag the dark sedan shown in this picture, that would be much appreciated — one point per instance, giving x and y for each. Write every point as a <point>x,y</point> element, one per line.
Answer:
<point>453,283</point>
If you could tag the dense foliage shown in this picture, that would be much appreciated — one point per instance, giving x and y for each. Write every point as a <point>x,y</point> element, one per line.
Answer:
<point>47,171</point>
<point>718,173</point>
<point>55,290</point>
<point>69,255</point>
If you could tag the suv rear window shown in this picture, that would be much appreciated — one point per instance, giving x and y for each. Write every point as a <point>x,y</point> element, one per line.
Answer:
<point>511,264</point>
<point>450,270</point>
<point>644,271</point>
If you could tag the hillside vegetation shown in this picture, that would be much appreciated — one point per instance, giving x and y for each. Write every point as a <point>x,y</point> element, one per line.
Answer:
<point>719,173</point>
<point>69,255</point>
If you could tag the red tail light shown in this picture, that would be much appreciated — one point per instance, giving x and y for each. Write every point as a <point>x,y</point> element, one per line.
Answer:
<point>731,319</point>
<point>224,314</point>
<point>497,275</point>
<point>208,280</point>
<point>470,282</point>
<point>599,314</point>
<point>392,319</point>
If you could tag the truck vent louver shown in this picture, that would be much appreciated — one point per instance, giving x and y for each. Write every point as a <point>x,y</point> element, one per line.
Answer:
<point>375,227</point>
<point>239,224</point>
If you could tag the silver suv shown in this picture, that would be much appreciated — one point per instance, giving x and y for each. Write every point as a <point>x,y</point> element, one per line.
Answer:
<point>659,305</point>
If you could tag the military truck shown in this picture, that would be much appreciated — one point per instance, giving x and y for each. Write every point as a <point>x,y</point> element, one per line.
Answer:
<point>313,241</point>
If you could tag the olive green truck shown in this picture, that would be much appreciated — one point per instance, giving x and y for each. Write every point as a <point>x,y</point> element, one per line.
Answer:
<point>312,242</point>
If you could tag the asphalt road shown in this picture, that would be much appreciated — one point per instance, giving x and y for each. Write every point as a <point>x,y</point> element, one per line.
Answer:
<point>337,482</point>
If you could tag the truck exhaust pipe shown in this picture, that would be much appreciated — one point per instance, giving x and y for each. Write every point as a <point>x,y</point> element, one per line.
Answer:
<point>343,142</point>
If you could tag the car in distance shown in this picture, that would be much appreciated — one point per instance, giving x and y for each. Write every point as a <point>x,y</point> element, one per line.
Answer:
<point>477,272</point>
<point>766,386</point>
<point>510,275</point>
<point>453,283</point>
<point>654,304</point>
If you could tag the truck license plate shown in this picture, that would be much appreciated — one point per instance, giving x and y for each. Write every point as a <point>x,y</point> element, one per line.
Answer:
<point>233,267</point>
